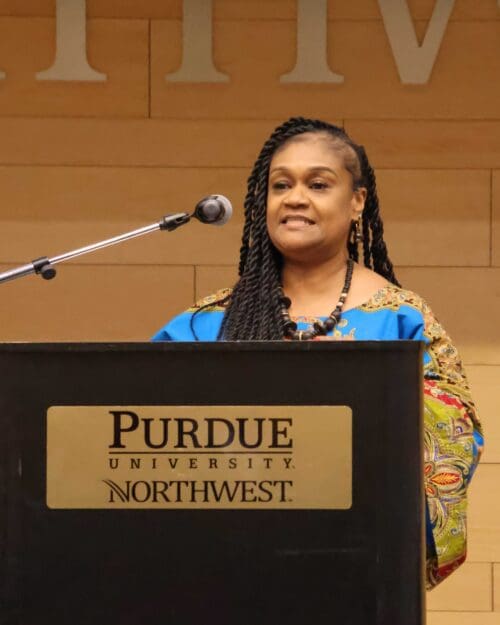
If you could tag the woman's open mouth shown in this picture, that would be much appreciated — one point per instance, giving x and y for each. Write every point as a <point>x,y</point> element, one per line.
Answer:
<point>297,221</point>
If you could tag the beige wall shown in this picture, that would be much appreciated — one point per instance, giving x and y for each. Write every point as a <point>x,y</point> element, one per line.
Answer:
<point>83,161</point>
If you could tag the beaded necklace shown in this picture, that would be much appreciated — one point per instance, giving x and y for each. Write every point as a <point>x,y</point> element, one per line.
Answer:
<point>318,327</point>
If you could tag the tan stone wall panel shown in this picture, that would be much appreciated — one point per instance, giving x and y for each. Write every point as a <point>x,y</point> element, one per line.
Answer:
<point>453,295</point>
<point>485,385</point>
<point>177,143</point>
<point>495,241</point>
<point>462,618</point>
<point>484,515</point>
<point>49,211</point>
<point>250,9</point>
<point>114,193</point>
<point>428,144</point>
<point>118,48</point>
<point>255,53</point>
<point>468,589</point>
<point>190,244</point>
<point>232,143</point>
<point>436,217</point>
<point>100,303</point>
<point>167,9</point>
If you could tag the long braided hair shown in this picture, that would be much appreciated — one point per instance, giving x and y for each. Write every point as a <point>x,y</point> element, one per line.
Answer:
<point>254,307</point>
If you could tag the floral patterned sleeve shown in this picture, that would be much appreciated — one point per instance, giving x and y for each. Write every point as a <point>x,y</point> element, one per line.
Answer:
<point>453,443</point>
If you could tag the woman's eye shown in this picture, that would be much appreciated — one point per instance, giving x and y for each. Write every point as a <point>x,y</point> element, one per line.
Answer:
<point>280,185</point>
<point>318,184</point>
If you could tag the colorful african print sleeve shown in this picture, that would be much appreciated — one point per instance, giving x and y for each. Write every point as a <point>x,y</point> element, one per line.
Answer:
<point>452,445</point>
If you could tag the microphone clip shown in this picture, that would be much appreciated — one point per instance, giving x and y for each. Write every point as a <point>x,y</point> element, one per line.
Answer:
<point>44,267</point>
<point>171,222</point>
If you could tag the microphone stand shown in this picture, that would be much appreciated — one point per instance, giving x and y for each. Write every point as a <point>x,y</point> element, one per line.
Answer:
<point>44,266</point>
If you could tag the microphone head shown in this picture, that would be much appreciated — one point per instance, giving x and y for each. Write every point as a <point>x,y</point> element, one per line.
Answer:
<point>215,210</point>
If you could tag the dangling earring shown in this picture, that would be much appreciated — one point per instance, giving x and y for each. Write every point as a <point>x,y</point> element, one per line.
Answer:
<point>358,235</point>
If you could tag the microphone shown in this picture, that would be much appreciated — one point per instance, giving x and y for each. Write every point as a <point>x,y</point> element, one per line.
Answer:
<point>215,210</point>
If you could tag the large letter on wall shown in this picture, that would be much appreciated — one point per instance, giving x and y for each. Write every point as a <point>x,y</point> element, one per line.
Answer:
<point>312,27</point>
<point>197,58</point>
<point>71,45</point>
<point>414,62</point>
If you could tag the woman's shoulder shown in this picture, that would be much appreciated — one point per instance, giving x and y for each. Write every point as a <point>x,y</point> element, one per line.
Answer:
<point>373,292</point>
<point>413,312</point>
<point>393,297</point>
<point>193,323</point>
<point>216,302</point>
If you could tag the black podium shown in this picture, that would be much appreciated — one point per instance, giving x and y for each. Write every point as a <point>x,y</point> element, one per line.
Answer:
<point>179,484</point>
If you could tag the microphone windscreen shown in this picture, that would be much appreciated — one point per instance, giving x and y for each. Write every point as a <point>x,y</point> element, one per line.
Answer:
<point>227,210</point>
<point>215,210</point>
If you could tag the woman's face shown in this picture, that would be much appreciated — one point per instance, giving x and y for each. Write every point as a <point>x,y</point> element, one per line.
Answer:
<point>311,202</point>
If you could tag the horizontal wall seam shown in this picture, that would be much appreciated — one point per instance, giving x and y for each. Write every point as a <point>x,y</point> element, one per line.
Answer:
<point>245,20</point>
<point>230,120</point>
<point>87,165</point>
<point>84,165</point>
<point>232,266</point>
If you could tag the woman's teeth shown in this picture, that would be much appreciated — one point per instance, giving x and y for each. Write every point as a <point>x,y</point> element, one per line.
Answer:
<point>298,219</point>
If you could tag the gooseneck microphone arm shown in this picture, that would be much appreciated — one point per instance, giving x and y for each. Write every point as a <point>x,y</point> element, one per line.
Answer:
<point>213,209</point>
<point>44,266</point>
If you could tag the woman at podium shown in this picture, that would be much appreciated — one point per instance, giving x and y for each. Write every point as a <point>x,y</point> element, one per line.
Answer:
<point>314,266</point>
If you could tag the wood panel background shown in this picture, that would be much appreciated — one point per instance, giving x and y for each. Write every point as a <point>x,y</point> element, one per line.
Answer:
<point>83,161</point>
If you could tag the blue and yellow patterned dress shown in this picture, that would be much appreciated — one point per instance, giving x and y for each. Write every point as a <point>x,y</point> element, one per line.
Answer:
<point>452,431</point>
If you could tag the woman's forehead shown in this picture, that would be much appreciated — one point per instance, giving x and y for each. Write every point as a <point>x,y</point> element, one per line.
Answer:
<point>314,149</point>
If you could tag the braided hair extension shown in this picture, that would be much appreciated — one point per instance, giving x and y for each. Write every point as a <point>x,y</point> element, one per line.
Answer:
<point>374,247</point>
<point>254,308</point>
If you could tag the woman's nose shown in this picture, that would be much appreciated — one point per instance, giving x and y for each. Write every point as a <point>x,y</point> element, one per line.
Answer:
<point>297,196</point>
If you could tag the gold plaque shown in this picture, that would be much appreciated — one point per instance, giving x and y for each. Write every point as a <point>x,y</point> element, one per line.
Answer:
<point>199,457</point>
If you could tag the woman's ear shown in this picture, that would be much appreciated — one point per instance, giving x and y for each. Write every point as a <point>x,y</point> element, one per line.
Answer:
<point>358,202</point>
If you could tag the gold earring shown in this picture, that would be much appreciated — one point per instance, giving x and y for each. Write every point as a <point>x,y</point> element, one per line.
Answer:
<point>358,235</point>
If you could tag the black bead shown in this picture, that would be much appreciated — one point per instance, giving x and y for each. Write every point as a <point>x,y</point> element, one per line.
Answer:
<point>330,323</point>
<point>319,327</point>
